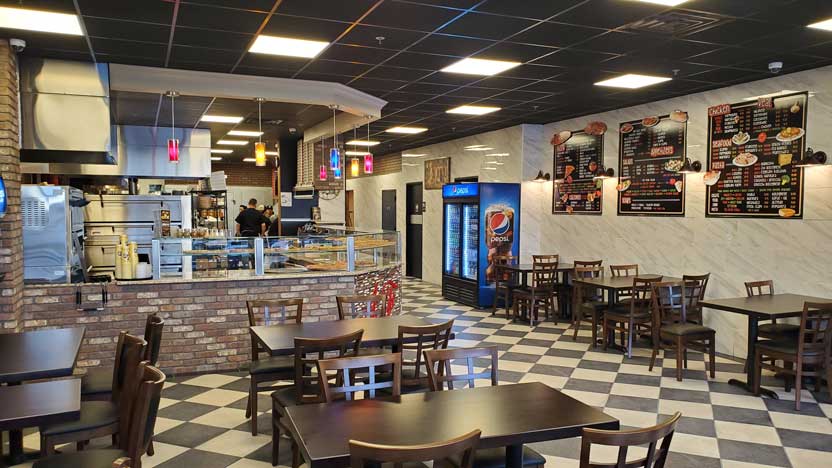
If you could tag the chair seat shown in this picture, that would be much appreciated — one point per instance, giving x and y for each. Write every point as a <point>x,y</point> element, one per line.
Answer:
<point>772,329</point>
<point>94,414</point>
<point>286,397</point>
<point>97,381</point>
<point>624,316</point>
<point>103,458</point>
<point>272,365</point>
<point>785,347</point>
<point>593,306</point>
<point>373,350</point>
<point>685,329</point>
<point>496,458</point>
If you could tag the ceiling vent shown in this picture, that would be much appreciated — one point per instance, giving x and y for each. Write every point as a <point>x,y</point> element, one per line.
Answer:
<point>675,23</point>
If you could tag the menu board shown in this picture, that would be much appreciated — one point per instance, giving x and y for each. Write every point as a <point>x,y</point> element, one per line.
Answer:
<point>576,192</point>
<point>752,150</point>
<point>651,150</point>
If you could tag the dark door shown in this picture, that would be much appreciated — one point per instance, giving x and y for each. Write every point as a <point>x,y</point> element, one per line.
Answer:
<point>413,234</point>
<point>388,210</point>
<point>349,208</point>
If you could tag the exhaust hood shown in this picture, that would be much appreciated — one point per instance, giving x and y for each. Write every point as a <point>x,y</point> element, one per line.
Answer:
<point>65,112</point>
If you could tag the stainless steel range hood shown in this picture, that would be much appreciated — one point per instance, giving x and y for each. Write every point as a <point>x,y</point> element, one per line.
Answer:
<point>65,110</point>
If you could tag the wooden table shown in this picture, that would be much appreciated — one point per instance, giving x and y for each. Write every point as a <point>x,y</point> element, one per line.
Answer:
<point>380,331</point>
<point>523,270</point>
<point>40,403</point>
<point>508,416</point>
<point>41,354</point>
<point>756,308</point>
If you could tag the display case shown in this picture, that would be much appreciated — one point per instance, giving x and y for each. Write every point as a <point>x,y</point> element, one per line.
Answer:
<point>335,250</point>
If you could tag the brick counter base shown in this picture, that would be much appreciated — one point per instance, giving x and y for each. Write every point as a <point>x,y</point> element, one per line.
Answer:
<point>206,324</point>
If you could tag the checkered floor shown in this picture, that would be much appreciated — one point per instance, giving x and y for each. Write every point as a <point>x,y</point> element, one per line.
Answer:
<point>202,421</point>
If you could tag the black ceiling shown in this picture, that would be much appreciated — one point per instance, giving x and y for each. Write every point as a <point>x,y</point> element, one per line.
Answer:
<point>565,46</point>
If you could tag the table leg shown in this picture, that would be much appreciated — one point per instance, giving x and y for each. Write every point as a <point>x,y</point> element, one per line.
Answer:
<point>16,455</point>
<point>749,359</point>
<point>514,456</point>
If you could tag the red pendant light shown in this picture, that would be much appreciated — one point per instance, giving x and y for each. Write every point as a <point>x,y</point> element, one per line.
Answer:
<point>322,174</point>
<point>368,158</point>
<point>173,142</point>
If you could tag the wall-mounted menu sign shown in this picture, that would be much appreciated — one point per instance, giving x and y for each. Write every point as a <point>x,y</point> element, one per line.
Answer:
<point>651,150</point>
<point>752,148</point>
<point>576,161</point>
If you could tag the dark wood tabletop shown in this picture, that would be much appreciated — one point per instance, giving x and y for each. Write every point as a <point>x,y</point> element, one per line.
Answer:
<point>507,415</point>
<point>528,267</point>
<point>620,282</point>
<point>41,354</point>
<point>40,403</point>
<point>765,306</point>
<point>381,331</point>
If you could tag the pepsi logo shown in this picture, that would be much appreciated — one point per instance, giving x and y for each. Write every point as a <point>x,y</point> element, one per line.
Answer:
<point>500,223</point>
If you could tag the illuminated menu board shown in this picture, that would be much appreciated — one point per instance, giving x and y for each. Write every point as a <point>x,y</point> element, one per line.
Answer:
<point>651,150</point>
<point>576,160</point>
<point>752,150</point>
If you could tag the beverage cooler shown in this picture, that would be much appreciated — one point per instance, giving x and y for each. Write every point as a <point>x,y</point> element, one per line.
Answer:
<point>479,221</point>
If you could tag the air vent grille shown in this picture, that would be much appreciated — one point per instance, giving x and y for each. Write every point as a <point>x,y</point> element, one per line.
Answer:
<point>674,23</point>
<point>35,214</point>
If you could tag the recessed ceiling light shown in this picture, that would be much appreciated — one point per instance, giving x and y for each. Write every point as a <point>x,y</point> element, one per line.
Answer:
<point>407,130</point>
<point>216,158</point>
<point>825,25</point>
<point>473,66</point>
<point>355,153</point>
<point>249,160</point>
<point>488,168</point>
<point>246,133</point>
<point>778,93</point>
<point>272,153</point>
<point>232,142</point>
<point>410,165</point>
<point>632,81</point>
<point>412,155</point>
<point>287,46</point>
<point>221,151</point>
<point>473,110</point>
<point>498,154</point>
<point>363,142</point>
<point>479,148</point>
<point>664,2</point>
<point>38,20</point>
<point>232,119</point>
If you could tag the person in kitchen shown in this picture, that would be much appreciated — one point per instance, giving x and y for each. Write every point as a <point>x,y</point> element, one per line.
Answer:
<point>250,222</point>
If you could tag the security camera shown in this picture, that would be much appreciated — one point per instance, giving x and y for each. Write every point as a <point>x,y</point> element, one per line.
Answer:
<point>775,67</point>
<point>18,45</point>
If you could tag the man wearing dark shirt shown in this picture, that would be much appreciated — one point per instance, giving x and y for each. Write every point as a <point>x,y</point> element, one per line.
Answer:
<point>250,222</point>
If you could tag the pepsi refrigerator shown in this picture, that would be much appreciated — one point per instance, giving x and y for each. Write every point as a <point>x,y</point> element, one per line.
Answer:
<point>480,220</point>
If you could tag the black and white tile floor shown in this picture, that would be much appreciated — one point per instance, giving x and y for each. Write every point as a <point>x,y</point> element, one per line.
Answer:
<point>202,420</point>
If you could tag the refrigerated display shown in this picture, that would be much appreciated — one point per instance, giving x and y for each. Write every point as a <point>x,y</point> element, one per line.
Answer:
<point>452,236</point>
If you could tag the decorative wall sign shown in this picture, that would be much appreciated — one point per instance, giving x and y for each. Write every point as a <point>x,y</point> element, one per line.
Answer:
<point>437,173</point>
<point>576,161</point>
<point>752,150</point>
<point>651,151</point>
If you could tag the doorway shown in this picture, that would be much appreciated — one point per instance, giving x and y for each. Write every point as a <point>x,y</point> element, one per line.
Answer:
<point>388,210</point>
<point>349,209</point>
<point>413,230</point>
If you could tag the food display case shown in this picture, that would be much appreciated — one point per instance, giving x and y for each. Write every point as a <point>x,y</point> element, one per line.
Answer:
<point>235,257</point>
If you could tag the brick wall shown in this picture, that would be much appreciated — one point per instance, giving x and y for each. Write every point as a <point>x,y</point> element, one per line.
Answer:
<point>11,237</point>
<point>246,174</point>
<point>206,325</point>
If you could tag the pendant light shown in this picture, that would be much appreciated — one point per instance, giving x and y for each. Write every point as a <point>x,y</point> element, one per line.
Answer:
<point>173,142</point>
<point>322,174</point>
<point>260,147</point>
<point>368,158</point>
<point>354,170</point>
<point>334,153</point>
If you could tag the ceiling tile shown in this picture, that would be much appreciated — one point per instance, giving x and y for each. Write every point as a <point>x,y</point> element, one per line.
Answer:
<point>133,49</point>
<point>391,38</point>
<point>574,58</point>
<point>304,28</point>
<point>732,32</point>
<point>619,43</point>
<point>152,11</point>
<point>514,52</point>
<point>349,53</point>
<point>608,13</point>
<point>450,45</point>
<point>486,26</point>
<point>421,61</point>
<point>326,9</point>
<point>556,35</point>
<point>213,39</point>
<point>409,16</point>
<point>539,10</point>
<point>223,19</point>
<point>396,73</point>
<point>130,30</point>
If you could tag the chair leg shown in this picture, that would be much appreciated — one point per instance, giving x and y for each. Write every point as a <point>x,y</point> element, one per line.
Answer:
<point>47,448</point>
<point>758,373</point>
<point>712,355</point>
<point>679,352</point>
<point>787,379</point>
<point>828,376</point>
<point>576,322</point>
<point>798,382</point>
<point>150,451</point>
<point>653,355</point>
<point>275,441</point>
<point>630,341</point>
<point>514,310</point>
<point>295,455</point>
<point>594,330</point>
<point>248,402</point>
<point>252,398</point>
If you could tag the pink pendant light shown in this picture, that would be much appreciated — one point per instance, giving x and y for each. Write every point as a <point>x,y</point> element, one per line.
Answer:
<point>368,158</point>
<point>173,142</point>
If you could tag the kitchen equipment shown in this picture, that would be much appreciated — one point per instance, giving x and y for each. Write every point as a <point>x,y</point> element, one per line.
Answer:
<point>53,234</point>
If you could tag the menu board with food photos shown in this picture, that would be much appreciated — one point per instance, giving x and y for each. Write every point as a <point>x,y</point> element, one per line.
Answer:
<point>576,160</point>
<point>651,152</point>
<point>752,150</point>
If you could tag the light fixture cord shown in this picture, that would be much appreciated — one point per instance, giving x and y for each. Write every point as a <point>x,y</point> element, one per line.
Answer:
<point>260,120</point>
<point>172,114</point>
<point>334,130</point>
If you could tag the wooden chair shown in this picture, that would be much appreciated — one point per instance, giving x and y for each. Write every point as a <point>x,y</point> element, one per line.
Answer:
<point>135,429</point>
<point>413,341</point>
<point>542,292</point>
<point>630,438</point>
<point>624,270</point>
<point>441,373</point>
<point>270,368</point>
<point>773,330</point>
<point>588,302</point>
<point>672,329</point>
<point>98,383</point>
<point>810,348</point>
<point>504,281</point>
<point>307,388</point>
<point>360,306</point>
<point>695,310</point>
<point>101,418</point>
<point>456,452</point>
<point>634,317</point>
<point>345,371</point>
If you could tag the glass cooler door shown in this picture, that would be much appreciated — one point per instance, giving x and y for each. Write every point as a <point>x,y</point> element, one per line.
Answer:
<point>452,240</point>
<point>470,239</point>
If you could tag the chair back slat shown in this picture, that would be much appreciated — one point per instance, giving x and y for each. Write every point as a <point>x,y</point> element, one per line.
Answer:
<point>641,294</point>
<point>502,275</point>
<point>153,335</point>
<point>343,370</point>
<point>457,452</point>
<point>815,328</point>
<point>308,351</point>
<point>360,306</point>
<point>587,270</point>
<point>413,341</point>
<point>274,311</point>
<point>630,438</point>
<point>544,276</point>
<point>136,436</point>
<point>701,282</point>
<point>759,288</point>
<point>624,270</point>
<point>129,368</point>
<point>129,352</point>
<point>668,303</point>
<point>440,371</point>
